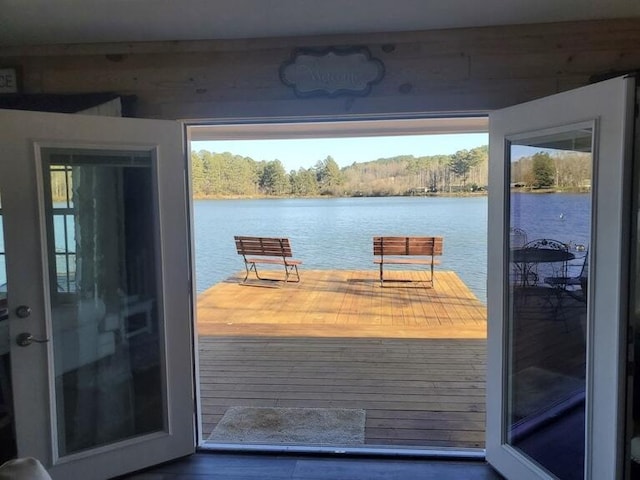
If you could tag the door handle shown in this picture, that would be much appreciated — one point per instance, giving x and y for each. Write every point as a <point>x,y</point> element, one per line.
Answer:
<point>25,339</point>
<point>23,311</point>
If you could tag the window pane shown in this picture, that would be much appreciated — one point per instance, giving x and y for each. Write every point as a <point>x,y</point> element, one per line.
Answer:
<point>107,329</point>
<point>7,429</point>
<point>550,229</point>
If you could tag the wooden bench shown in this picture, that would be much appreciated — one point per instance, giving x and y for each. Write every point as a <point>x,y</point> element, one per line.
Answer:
<point>267,250</point>
<point>395,250</point>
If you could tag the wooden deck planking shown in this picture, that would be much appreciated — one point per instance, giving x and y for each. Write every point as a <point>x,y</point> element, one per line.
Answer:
<point>412,357</point>
<point>344,303</point>
<point>397,395</point>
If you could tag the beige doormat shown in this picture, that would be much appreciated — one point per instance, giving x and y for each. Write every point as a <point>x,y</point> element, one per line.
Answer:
<point>316,426</point>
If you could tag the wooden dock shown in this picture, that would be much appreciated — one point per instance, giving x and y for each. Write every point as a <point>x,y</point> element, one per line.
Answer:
<point>412,357</point>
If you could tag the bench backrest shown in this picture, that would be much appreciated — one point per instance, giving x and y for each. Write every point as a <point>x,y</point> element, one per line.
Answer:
<point>407,246</point>
<point>263,246</point>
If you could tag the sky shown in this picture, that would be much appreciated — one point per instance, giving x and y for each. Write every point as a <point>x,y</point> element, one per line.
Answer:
<point>306,153</point>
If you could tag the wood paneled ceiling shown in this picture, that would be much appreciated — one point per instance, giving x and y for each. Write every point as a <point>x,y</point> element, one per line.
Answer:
<point>47,22</point>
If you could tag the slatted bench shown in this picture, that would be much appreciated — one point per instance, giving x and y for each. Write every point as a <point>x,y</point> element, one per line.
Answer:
<point>397,250</point>
<point>270,251</point>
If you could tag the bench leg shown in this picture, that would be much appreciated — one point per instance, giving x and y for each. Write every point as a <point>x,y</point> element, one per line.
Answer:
<point>430,281</point>
<point>288,270</point>
<point>254,268</point>
<point>248,269</point>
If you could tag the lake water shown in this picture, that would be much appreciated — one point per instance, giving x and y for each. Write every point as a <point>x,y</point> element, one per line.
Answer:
<point>565,217</point>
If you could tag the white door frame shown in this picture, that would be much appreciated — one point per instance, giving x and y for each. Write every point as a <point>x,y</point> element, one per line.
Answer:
<point>22,136</point>
<point>610,105</point>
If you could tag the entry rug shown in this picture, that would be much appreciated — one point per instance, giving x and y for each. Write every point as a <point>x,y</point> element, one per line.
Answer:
<point>316,426</point>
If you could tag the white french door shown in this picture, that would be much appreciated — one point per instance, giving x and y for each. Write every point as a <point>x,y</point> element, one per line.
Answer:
<point>559,203</point>
<point>97,291</point>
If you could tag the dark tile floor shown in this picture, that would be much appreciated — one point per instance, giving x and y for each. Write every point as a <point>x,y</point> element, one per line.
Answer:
<point>280,467</point>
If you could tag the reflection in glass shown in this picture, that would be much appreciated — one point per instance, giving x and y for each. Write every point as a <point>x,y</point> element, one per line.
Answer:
<point>3,265</point>
<point>633,373</point>
<point>550,208</point>
<point>107,333</point>
<point>7,427</point>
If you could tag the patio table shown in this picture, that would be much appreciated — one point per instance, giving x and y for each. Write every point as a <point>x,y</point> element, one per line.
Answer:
<point>525,258</point>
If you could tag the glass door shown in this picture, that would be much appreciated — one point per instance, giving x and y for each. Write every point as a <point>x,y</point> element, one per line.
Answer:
<point>98,306</point>
<point>7,424</point>
<point>558,283</point>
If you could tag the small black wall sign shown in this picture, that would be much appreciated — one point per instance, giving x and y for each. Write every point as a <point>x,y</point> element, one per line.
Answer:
<point>8,80</point>
<point>331,71</point>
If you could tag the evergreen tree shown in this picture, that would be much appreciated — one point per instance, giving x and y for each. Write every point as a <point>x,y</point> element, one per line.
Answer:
<point>543,170</point>
<point>197,174</point>
<point>303,182</point>
<point>274,179</point>
<point>329,176</point>
<point>461,163</point>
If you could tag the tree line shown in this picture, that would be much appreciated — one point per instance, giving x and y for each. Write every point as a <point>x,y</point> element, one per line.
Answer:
<point>226,175</point>
<point>219,175</point>
<point>569,171</point>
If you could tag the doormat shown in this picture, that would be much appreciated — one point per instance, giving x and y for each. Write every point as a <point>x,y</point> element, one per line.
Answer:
<point>317,426</point>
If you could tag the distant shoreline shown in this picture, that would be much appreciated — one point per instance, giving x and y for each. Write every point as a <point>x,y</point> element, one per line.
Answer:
<point>275,197</point>
<point>483,193</point>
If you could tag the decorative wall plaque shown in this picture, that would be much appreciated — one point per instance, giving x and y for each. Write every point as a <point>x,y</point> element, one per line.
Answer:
<point>9,80</point>
<point>331,71</point>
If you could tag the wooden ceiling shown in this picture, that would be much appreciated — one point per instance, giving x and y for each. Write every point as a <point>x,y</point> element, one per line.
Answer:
<point>44,22</point>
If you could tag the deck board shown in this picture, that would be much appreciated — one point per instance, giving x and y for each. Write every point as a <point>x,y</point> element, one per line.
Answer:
<point>412,357</point>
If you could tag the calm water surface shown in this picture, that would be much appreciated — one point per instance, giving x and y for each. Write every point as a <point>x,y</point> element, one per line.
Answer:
<point>337,233</point>
<point>564,217</point>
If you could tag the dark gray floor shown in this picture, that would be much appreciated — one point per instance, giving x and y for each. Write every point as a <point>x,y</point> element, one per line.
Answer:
<point>279,467</point>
